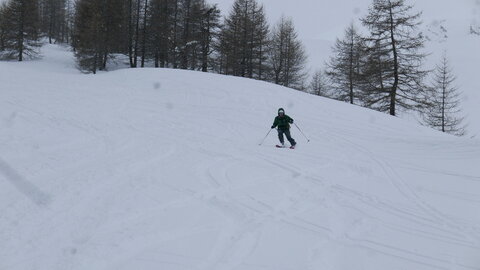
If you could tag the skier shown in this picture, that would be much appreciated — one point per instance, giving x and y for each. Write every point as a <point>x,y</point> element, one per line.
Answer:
<point>283,121</point>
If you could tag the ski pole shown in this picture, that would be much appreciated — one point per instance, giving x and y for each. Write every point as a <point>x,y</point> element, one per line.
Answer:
<point>266,136</point>
<point>302,132</point>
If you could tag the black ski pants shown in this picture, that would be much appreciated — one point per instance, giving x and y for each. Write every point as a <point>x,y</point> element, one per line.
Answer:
<point>287,134</point>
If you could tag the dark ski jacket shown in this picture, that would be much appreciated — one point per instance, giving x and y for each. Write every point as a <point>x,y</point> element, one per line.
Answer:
<point>282,122</point>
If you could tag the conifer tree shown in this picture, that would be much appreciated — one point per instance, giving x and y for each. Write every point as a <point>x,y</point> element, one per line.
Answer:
<point>98,33</point>
<point>53,17</point>
<point>344,67</point>
<point>160,23</point>
<point>243,41</point>
<point>396,60</point>
<point>287,55</point>
<point>3,28</point>
<point>209,26</point>
<point>133,20</point>
<point>20,35</point>
<point>88,35</point>
<point>445,111</point>
<point>318,84</point>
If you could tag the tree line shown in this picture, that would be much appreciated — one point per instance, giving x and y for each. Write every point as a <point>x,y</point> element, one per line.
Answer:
<point>189,34</point>
<point>382,69</point>
<point>166,33</point>
<point>183,34</point>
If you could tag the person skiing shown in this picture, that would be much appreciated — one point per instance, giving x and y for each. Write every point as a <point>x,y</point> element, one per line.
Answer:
<point>283,121</point>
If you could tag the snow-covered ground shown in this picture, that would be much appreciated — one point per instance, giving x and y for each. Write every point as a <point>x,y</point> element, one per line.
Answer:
<point>162,169</point>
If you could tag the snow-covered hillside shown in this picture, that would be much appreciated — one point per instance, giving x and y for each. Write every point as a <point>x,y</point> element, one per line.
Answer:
<point>162,169</point>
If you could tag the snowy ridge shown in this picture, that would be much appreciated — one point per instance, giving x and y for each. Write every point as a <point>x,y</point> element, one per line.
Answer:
<point>161,169</point>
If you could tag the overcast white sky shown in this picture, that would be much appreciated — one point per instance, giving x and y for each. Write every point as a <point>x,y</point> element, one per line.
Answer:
<point>322,21</point>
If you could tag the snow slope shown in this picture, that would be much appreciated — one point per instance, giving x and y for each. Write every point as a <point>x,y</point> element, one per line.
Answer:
<point>161,169</point>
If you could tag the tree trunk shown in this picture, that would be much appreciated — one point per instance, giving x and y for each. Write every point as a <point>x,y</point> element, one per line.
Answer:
<point>245,35</point>
<point>186,37</point>
<point>260,61</point>
<point>444,89</point>
<point>20,38</point>
<point>50,24</point>
<point>137,30</point>
<point>175,33</point>
<point>144,33</point>
<point>130,33</point>
<point>351,69</point>
<point>393,93</point>
<point>164,36</point>
<point>206,45</point>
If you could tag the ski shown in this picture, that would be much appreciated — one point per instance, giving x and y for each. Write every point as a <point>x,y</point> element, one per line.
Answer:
<point>280,146</point>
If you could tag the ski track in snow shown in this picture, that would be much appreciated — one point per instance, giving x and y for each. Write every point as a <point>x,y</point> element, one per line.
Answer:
<point>23,186</point>
<point>123,175</point>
